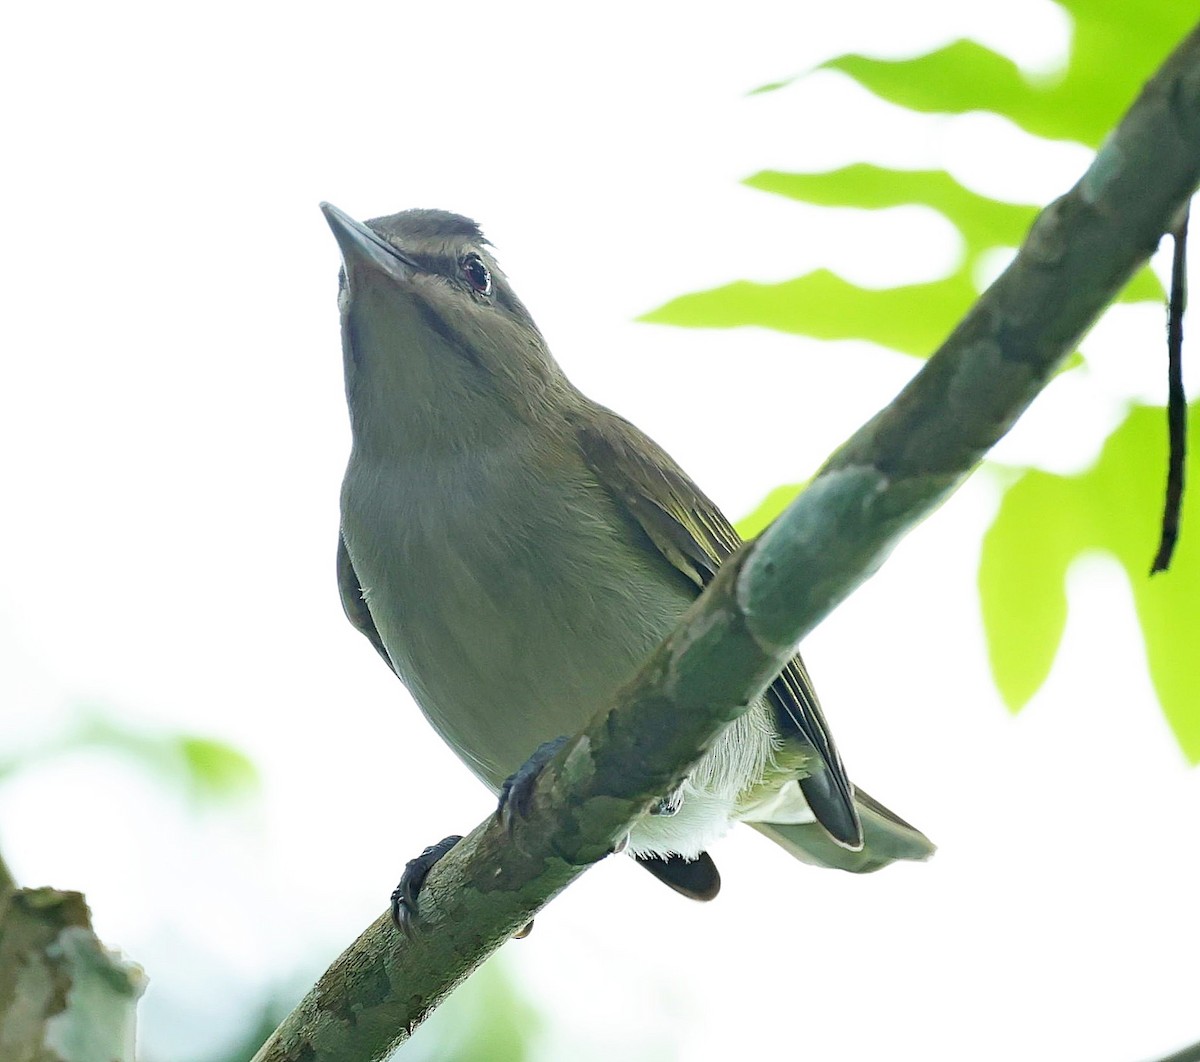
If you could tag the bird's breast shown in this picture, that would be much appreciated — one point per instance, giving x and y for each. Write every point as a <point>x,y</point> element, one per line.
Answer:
<point>513,595</point>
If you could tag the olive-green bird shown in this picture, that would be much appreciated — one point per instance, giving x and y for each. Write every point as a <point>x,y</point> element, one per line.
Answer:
<point>514,551</point>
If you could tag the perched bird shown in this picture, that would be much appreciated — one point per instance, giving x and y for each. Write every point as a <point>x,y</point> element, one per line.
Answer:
<point>514,551</point>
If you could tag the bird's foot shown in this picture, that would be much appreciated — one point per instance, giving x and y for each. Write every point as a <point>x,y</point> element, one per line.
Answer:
<point>404,896</point>
<point>517,791</point>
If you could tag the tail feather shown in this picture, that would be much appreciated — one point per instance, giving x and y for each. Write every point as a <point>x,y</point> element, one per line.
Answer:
<point>696,879</point>
<point>886,838</point>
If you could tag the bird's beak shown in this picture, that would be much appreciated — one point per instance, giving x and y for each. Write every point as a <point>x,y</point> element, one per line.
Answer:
<point>364,249</point>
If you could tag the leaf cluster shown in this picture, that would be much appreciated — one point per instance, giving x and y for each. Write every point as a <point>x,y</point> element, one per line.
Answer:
<point>1045,521</point>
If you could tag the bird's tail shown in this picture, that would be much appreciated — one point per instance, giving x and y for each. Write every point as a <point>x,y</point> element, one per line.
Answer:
<point>886,838</point>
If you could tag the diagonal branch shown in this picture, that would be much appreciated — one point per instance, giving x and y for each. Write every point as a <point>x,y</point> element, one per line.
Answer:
<point>894,471</point>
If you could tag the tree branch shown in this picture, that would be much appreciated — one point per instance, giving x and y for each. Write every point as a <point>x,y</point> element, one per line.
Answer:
<point>63,995</point>
<point>733,642</point>
<point>1186,1054</point>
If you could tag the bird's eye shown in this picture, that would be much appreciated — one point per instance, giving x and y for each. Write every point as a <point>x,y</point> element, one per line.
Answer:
<point>477,274</point>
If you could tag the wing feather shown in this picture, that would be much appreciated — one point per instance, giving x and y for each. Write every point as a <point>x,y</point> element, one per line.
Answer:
<point>693,534</point>
<point>353,602</point>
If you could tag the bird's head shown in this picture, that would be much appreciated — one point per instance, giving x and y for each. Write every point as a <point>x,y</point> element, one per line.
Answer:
<point>437,345</point>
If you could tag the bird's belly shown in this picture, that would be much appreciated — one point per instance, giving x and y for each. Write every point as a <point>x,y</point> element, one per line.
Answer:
<point>512,617</point>
<point>511,620</point>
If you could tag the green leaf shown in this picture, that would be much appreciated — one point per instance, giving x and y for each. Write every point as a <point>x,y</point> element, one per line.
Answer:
<point>983,222</point>
<point>754,523</point>
<point>770,86</point>
<point>1144,286</point>
<point>215,769</point>
<point>203,768</point>
<point>962,76</point>
<point>913,319</point>
<point>1114,49</point>
<point>1022,587</point>
<point>1046,521</point>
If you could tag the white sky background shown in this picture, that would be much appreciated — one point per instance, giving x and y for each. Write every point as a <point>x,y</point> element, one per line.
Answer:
<point>173,430</point>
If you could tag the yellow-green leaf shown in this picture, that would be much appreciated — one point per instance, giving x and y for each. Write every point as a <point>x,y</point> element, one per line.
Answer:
<point>913,319</point>
<point>983,222</point>
<point>755,522</point>
<point>1046,521</point>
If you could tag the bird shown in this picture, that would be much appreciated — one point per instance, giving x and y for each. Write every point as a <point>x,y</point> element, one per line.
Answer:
<point>514,550</point>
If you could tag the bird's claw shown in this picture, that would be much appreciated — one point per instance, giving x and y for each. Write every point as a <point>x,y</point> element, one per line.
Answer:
<point>404,895</point>
<point>517,792</point>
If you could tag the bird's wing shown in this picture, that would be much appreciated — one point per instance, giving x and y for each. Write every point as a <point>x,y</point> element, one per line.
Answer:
<point>692,533</point>
<point>353,602</point>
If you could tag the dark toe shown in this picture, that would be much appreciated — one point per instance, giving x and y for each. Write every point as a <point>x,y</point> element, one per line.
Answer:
<point>404,895</point>
<point>516,794</point>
